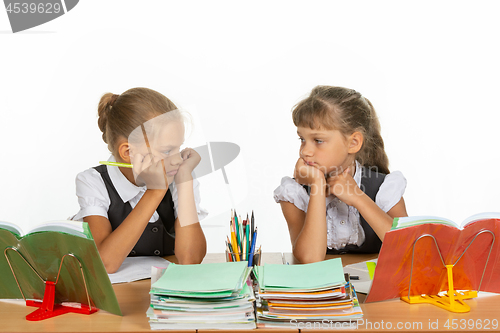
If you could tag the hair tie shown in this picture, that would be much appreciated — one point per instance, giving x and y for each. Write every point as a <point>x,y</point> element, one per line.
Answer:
<point>113,99</point>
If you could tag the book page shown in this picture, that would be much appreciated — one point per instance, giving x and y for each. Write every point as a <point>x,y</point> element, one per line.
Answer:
<point>403,222</point>
<point>136,268</point>
<point>74,228</point>
<point>480,216</point>
<point>12,228</point>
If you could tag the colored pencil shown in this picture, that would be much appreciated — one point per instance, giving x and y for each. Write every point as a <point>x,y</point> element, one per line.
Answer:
<point>121,165</point>
<point>253,225</point>
<point>233,255</point>
<point>248,244</point>
<point>244,245</point>
<point>235,245</point>
<point>250,234</point>
<point>242,231</point>
<point>252,249</point>
<point>237,231</point>
<point>228,253</point>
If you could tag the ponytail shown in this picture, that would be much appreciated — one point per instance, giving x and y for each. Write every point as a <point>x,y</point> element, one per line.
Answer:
<point>103,109</point>
<point>372,154</point>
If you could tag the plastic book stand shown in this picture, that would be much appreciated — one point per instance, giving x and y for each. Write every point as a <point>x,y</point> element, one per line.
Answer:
<point>47,308</point>
<point>450,300</point>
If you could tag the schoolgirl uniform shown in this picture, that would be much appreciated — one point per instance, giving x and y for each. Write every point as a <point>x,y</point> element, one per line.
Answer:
<point>347,230</point>
<point>105,191</point>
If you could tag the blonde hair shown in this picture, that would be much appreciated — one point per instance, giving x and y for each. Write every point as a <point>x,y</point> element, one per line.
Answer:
<point>119,115</point>
<point>345,110</point>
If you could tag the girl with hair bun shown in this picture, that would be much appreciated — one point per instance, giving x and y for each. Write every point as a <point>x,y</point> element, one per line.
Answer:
<point>152,206</point>
<point>342,163</point>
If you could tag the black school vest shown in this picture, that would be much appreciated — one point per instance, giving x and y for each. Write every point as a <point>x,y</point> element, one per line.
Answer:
<point>158,238</point>
<point>370,184</point>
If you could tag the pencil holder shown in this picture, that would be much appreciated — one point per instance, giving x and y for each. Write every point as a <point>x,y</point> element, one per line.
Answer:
<point>238,256</point>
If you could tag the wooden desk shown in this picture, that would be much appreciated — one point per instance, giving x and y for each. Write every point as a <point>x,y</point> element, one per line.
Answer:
<point>134,301</point>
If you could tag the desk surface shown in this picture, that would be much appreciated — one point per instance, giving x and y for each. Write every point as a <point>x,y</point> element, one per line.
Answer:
<point>134,301</point>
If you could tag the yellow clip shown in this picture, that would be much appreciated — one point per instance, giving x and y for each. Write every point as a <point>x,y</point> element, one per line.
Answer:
<point>451,300</point>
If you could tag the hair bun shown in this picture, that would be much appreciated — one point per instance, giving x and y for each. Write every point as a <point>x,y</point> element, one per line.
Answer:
<point>112,100</point>
<point>105,104</point>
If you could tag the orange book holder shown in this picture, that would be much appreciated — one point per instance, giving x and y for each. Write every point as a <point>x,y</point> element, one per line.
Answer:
<point>47,308</point>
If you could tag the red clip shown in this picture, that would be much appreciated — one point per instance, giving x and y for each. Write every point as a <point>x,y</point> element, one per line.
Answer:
<point>47,308</point>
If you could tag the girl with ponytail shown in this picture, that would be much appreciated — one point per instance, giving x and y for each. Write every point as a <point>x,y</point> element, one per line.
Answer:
<point>148,203</point>
<point>342,163</point>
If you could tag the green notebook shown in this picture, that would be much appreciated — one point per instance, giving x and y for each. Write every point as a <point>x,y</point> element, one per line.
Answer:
<point>44,247</point>
<point>215,279</point>
<point>322,274</point>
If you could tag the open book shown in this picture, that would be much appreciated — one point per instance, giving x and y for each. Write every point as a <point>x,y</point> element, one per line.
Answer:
<point>78,229</point>
<point>476,269</point>
<point>43,248</point>
<point>403,222</point>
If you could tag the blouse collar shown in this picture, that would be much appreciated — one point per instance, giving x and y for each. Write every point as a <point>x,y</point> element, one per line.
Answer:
<point>126,190</point>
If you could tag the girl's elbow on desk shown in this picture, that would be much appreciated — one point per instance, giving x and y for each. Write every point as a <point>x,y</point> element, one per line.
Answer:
<point>110,266</point>
<point>308,260</point>
<point>305,257</point>
<point>190,258</point>
<point>109,260</point>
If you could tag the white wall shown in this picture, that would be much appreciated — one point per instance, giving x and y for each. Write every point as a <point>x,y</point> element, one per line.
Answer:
<point>431,69</point>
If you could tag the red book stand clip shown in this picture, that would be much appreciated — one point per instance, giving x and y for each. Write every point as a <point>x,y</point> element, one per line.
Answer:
<point>47,308</point>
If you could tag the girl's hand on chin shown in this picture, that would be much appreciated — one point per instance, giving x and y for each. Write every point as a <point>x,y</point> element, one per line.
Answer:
<point>344,187</point>
<point>149,172</point>
<point>190,159</point>
<point>306,174</point>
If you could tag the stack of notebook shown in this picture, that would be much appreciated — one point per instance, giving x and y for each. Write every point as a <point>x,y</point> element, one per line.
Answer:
<point>305,296</point>
<point>206,296</point>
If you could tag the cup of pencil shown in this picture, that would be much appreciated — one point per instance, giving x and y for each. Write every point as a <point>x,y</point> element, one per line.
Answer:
<point>253,258</point>
<point>241,245</point>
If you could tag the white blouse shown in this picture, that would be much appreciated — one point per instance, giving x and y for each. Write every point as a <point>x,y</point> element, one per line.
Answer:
<point>94,199</point>
<point>343,224</point>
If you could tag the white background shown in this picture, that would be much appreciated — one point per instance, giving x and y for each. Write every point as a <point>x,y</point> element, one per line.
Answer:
<point>431,69</point>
